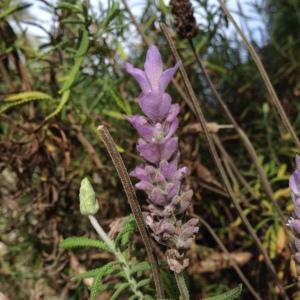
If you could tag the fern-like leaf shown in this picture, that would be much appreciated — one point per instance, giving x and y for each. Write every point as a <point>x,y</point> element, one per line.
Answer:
<point>230,295</point>
<point>102,271</point>
<point>126,233</point>
<point>95,287</point>
<point>120,288</point>
<point>22,98</point>
<point>83,242</point>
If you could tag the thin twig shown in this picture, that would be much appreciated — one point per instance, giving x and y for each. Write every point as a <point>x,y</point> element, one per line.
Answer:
<point>267,82</point>
<point>232,261</point>
<point>201,118</point>
<point>134,204</point>
<point>244,138</point>
<point>234,168</point>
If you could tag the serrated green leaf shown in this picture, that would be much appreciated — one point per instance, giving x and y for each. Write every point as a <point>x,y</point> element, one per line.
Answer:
<point>121,287</point>
<point>22,98</point>
<point>103,271</point>
<point>126,233</point>
<point>32,95</point>
<point>230,295</point>
<point>82,242</point>
<point>95,287</point>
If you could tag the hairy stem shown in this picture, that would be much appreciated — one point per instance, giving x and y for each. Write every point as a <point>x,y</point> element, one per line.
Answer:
<point>119,256</point>
<point>134,204</point>
<point>184,293</point>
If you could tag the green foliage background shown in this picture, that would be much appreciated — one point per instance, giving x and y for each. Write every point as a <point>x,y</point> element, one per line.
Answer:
<point>54,94</point>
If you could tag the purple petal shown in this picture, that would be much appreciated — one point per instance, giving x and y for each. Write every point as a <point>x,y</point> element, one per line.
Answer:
<point>153,67</point>
<point>180,173</point>
<point>158,197</point>
<point>297,244</point>
<point>159,178</point>
<point>294,224</point>
<point>297,257</point>
<point>150,152</point>
<point>173,128</point>
<point>155,106</point>
<point>295,183</point>
<point>173,112</point>
<point>168,169</point>
<point>142,126</point>
<point>139,76</point>
<point>173,189</point>
<point>169,148</point>
<point>166,77</point>
<point>296,201</point>
<point>140,173</point>
<point>185,199</point>
<point>144,186</point>
<point>165,227</point>
<point>192,222</point>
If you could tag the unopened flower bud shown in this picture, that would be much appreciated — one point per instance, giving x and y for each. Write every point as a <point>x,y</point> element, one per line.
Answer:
<point>88,203</point>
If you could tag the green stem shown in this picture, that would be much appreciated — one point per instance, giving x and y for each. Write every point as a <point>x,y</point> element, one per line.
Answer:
<point>119,256</point>
<point>184,293</point>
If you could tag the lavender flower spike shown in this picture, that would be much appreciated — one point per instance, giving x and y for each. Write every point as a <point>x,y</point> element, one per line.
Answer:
<point>159,176</point>
<point>294,222</point>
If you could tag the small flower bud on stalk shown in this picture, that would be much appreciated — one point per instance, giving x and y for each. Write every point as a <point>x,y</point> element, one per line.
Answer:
<point>88,202</point>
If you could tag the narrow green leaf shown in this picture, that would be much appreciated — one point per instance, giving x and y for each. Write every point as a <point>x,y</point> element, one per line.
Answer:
<point>12,9</point>
<point>113,114</point>
<point>83,242</point>
<point>63,101</point>
<point>67,6</point>
<point>84,44</point>
<point>83,47</point>
<point>230,295</point>
<point>72,75</point>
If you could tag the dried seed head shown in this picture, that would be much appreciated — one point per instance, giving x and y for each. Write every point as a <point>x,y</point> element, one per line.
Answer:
<point>88,202</point>
<point>185,22</point>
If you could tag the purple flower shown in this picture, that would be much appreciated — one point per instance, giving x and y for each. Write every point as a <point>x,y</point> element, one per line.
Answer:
<point>154,102</point>
<point>294,222</point>
<point>159,176</point>
<point>295,179</point>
